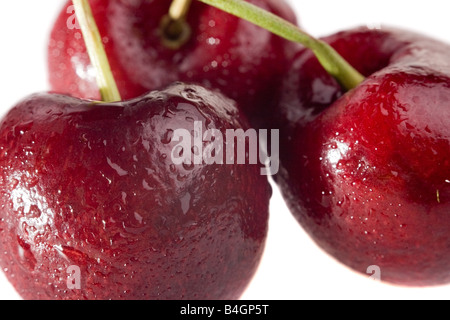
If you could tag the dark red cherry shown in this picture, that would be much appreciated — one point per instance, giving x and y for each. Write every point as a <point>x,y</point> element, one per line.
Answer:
<point>367,173</point>
<point>224,52</point>
<point>93,205</point>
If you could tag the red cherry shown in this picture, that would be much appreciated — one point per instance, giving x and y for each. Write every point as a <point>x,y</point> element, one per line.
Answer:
<point>91,188</point>
<point>367,173</point>
<point>224,52</point>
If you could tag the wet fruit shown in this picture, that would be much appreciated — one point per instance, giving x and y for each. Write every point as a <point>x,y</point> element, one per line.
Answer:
<point>89,190</point>
<point>367,172</point>
<point>226,53</point>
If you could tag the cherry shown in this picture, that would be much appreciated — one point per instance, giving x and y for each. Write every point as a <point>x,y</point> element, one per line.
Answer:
<point>367,172</point>
<point>223,52</point>
<point>93,186</point>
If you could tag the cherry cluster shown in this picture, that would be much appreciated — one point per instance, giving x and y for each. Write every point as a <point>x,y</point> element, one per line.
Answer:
<point>88,180</point>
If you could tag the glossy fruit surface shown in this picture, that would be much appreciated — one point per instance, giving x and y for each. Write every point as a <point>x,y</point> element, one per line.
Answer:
<point>93,186</point>
<point>241,60</point>
<point>367,173</point>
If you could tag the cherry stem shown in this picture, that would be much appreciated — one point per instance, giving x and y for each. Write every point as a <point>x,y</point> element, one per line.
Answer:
<point>179,9</point>
<point>175,31</point>
<point>329,58</point>
<point>105,79</point>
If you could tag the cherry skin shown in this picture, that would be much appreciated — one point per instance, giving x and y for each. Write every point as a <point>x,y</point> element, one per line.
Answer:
<point>224,52</point>
<point>93,186</point>
<point>367,173</point>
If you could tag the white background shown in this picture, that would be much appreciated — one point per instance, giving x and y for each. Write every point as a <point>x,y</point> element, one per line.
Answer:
<point>293,267</point>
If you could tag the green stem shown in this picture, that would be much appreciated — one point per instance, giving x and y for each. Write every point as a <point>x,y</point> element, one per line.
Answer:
<point>105,79</point>
<point>333,63</point>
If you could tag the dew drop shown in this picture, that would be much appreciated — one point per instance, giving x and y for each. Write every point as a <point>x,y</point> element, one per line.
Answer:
<point>186,203</point>
<point>188,167</point>
<point>138,217</point>
<point>121,172</point>
<point>146,186</point>
<point>167,138</point>
<point>191,94</point>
